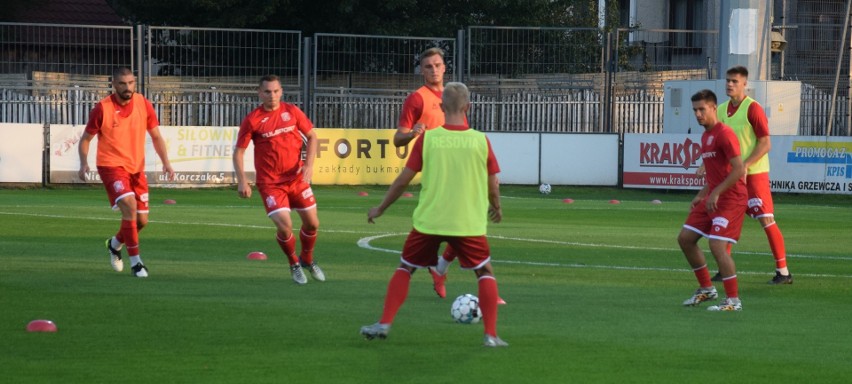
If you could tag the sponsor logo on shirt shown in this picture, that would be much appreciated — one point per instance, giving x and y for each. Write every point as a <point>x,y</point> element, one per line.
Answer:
<point>278,131</point>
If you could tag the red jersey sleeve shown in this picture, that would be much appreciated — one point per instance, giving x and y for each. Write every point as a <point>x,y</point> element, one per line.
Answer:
<point>244,134</point>
<point>302,121</point>
<point>415,160</point>
<point>95,119</point>
<point>153,122</point>
<point>493,166</point>
<point>412,108</point>
<point>758,121</point>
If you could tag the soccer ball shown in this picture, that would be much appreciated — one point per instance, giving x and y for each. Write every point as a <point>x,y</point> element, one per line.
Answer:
<point>544,189</point>
<point>465,309</point>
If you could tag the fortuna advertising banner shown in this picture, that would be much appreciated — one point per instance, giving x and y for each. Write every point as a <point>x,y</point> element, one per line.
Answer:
<point>359,156</point>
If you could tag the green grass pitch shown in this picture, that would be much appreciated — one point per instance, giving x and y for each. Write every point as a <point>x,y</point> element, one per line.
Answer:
<point>594,294</point>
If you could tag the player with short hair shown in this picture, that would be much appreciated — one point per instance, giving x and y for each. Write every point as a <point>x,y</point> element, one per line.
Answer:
<point>748,120</point>
<point>456,155</point>
<point>120,122</point>
<point>718,209</point>
<point>279,131</point>
<point>421,111</point>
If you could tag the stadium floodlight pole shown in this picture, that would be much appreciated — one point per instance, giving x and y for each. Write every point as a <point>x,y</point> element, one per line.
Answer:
<point>840,52</point>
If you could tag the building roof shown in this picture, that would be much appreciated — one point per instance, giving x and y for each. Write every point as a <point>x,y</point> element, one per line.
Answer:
<point>89,12</point>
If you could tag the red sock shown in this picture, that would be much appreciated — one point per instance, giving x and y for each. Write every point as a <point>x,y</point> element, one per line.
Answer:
<point>731,289</point>
<point>776,243</point>
<point>120,237</point>
<point>488,303</point>
<point>288,246</point>
<point>307,239</point>
<point>131,237</point>
<point>703,276</point>
<point>397,292</point>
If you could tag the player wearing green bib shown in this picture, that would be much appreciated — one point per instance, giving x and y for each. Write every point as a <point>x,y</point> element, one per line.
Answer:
<point>748,120</point>
<point>460,193</point>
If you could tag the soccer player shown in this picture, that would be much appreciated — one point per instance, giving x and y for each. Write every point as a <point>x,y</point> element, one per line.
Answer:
<point>718,209</point>
<point>120,122</point>
<point>459,156</point>
<point>421,111</point>
<point>279,131</point>
<point>748,120</point>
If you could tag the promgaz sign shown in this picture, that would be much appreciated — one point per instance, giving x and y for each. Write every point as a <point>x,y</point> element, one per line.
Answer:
<point>811,164</point>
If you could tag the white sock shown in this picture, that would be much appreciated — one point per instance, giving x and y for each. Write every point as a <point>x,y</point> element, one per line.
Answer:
<point>135,260</point>
<point>113,242</point>
<point>784,271</point>
<point>442,265</point>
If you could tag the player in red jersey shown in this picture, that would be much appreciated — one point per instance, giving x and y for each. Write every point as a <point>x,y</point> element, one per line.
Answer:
<point>120,122</point>
<point>279,131</point>
<point>421,111</point>
<point>748,120</point>
<point>718,209</point>
<point>451,154</point>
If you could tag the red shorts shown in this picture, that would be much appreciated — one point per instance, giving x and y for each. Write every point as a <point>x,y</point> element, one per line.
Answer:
<point>421,250</point>
<point>759,196</point>
<point>725,223</point>
<point>277,197</point>
<point>120,184</point>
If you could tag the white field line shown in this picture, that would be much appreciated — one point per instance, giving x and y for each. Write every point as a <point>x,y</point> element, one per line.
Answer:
<point>365,243</point>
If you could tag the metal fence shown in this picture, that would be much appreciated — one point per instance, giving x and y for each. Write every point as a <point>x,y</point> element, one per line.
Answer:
<point>522,79</point>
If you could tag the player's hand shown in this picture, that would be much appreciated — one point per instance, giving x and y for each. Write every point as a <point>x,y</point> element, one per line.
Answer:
<point>712,202</point>
<point>170,173</point>
<point>244,190</point>
<point>373,213</point>
<point>417,129</point>
<point>495,214</point>
<point>84,169</point>
<point>701,171</point>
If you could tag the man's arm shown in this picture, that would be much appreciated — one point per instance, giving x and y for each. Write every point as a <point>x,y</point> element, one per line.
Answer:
<point>162,151</point>
<point>83,151</point>
<point>243,188</point>
<point>404,135</point>
<point>394,192</point>
<point>310,156</point>
<point>495,211</point>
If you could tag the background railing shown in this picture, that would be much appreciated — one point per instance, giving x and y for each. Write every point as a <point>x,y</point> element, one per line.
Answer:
<point>522,79</point>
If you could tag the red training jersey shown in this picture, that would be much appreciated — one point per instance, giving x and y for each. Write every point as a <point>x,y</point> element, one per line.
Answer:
<point>718,146</point>
<point>121,131</point>
<point>415,160</point>
<point>278,139</point>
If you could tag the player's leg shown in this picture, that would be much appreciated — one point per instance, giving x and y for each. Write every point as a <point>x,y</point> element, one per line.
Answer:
<point>139,184</point>
<point>729,276</point>
<point>420,250</point>
<point>308,238</point>
<point>688,241</point>
<point>474,253</point>
<point>728,222</point>
<point>302,199</point>
<point>761,207</point>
